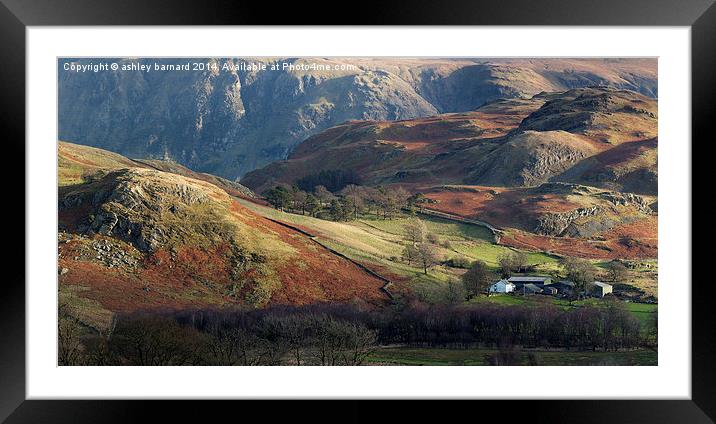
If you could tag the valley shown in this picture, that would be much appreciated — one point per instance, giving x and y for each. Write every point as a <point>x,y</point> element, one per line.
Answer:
<point>399,212</point>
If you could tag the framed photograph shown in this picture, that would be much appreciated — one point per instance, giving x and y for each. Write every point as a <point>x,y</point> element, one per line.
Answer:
<point>471,202</point>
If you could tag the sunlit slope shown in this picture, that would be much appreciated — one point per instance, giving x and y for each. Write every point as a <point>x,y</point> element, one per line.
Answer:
<point>136,238</point>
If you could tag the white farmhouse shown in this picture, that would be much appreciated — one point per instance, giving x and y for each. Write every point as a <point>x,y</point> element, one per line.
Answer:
<point>502,286</point>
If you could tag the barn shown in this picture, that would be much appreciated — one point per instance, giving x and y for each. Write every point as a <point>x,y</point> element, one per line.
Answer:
<point>600,289</point>
<point>518,281</point>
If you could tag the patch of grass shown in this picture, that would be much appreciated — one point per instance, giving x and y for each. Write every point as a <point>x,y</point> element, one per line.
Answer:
<point>644,313</point>
<point>444,228</point>
<point>503,299</point>
<point>361,242</point>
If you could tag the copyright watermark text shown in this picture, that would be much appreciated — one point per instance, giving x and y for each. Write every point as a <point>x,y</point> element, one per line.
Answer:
<point>198,66</point>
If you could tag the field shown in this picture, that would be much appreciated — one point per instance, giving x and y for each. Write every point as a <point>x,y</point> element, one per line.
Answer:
<point>438,356</point>
<point>378,243</point>
<point>644,312</point>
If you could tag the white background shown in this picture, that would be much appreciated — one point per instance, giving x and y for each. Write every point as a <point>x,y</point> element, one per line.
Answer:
<point>670,379</point>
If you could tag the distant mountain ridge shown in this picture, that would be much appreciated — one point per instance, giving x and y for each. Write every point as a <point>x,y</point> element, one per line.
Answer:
<point>229,122</point>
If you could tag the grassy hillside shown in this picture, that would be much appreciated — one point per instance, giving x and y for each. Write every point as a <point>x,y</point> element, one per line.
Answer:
<point>379,244</point>
<point>75,163</point>
<point>631,167</point>
<point>134,238</point>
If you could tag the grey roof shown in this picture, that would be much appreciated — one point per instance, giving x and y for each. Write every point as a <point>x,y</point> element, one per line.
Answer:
<point>532,287</point>
<point>600,284</point>
<point>528,279</point>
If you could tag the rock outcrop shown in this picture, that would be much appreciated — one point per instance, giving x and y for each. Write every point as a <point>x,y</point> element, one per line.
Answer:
<point>556,224</point>
<point>147,208</point>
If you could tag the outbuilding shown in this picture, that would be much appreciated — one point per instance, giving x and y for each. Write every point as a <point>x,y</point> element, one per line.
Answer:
<point>530,288</point>
<point>502,286</point>
<point>564,287</point>
<point>601,289</point>
<point>548,289</point>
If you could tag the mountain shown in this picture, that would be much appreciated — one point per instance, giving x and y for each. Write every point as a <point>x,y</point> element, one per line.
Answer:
<point>234,116</point>
<point>596,136</point>
<point>133,237</point>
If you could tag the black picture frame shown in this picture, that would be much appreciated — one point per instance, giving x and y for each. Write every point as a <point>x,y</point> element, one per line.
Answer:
<point>16,15</point>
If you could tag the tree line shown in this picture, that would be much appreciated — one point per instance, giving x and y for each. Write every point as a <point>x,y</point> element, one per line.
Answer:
<point>342,205</point>
<point>333,334</point>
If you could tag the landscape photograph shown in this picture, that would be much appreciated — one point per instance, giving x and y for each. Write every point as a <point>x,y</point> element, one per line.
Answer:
<point>357,211</point>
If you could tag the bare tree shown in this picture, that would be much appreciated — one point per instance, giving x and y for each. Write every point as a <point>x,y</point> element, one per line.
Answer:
<point>505,356</point>
<point>410,253</point>
<point>299,200</point>
<point>292,331</point>
<point>454,292</point>
<point>415,231</point>
<point>398,198</point>
<point>579,271</point>
<point>359,343</point>
<point>356,195</point>
<point>616,271</point>
<point>506,265</point>
<point>390,200</point>
<point>477,279</point>
<point>520,261</point>
<point>427,256</point>
<point>152,340</point>
<point>69,346</point>
<point>323,195</point>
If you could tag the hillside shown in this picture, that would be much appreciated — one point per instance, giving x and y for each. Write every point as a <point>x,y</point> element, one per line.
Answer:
<point>133,238</point>
<point>513,143</point>
<point>631,167</point>
<point>531,158</point>
<point>230,121</point>
<point>79,164</point>
<point>565,219</point>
